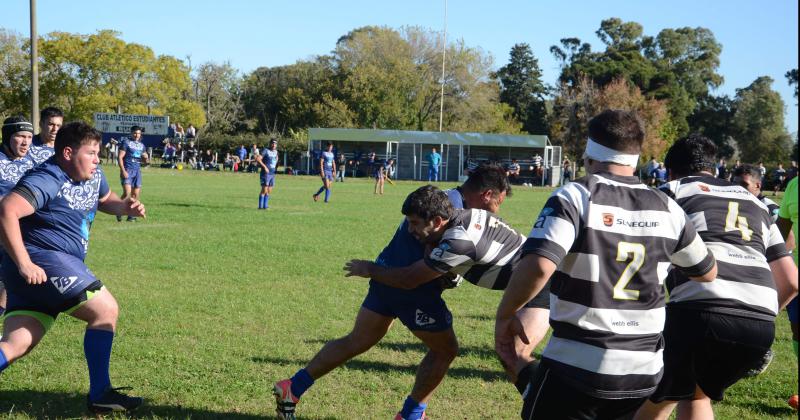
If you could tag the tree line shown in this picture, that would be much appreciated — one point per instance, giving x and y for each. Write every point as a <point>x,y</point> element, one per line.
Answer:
<point>380,77</point>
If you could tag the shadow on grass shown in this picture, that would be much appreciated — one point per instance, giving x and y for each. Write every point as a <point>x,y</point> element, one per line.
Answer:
<point>49,405</point>
<point>763,408</point>
<point>463,351</point>
<point>382,367</point>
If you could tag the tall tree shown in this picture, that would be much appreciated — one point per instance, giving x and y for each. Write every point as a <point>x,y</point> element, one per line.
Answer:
<point>14,80</point>
<point>758,120</point>
<point>217,87</point>
<point>791,76</point>
<point>521,87</point>
<point>713,117</point>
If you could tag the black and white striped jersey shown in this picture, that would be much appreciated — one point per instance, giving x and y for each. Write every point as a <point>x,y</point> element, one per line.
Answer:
<point>772,207</point>
<point>614,240</point>
<point>739,231</point>
<point>479,246</point>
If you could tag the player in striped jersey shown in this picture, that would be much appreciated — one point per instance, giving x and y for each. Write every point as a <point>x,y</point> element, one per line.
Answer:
<point>607,240</point>
<point>716,331</point>
<point>749,177</point>
<point>422,309</point>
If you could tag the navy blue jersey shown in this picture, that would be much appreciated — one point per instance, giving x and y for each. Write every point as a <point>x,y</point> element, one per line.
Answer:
<point>133,152</point>
<point>327,161</point>
<point>39,152</point>
<point>64,209</point>
<point>11,170</point>
<point>270,158</point>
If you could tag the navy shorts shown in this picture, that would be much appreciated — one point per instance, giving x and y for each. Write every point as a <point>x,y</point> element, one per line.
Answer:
<point>792,309</point>
<point>420,309</point>
<point>709,350</point>
<point>328,174</point>
<point>69,283</point>
<point>134,178</point>
<point>267,179</point>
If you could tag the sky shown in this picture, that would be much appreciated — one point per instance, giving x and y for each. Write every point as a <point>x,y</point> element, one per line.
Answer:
<point>759,38</point>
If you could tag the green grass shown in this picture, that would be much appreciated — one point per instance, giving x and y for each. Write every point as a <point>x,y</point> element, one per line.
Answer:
<point>218,300</point>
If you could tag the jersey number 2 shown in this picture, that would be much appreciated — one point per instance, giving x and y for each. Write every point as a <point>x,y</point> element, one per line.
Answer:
<point>634,252</point>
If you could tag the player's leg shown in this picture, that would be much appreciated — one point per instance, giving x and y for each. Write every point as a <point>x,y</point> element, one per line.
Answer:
<point>126,191</point>
<point>698,408</point>
<point>322,189</point>
<point>22,331</point>
<point>442,350</point>
<point>536,322</point>
<point>261,195</point>
<point>368,329</point>
<point>135,194</point>
<point>327,182</point>
<point>3,300</point>
<point>97,307</point>
<point>270,184</point>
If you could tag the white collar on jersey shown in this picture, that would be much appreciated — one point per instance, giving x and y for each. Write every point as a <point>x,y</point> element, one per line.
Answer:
<point>600,153</point>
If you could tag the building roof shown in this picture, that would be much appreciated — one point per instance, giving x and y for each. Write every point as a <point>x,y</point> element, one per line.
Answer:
<point>427,137</point>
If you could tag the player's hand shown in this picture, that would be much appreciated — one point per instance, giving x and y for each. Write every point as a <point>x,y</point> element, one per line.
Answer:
<point>134,208</point>
<point>506,330</point>
<point>123,174</point>
<point>359,268</point>
<point>32,273</point>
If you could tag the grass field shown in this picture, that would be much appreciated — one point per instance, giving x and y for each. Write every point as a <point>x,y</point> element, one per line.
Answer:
<point>218,300</point>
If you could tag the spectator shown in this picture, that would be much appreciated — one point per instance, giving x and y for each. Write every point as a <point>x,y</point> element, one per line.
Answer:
<point>762,169</point>
<point>171,131</point>
<point>434,161</point>
<point>790,173</point>
<point>722,171</point>
<point>778,176</point>
<point>210,161</point>
<point>652,165</point>
<point>567,175</point>
<point>179,152</point>
<point>192,155</point>
<point>538,171</point>
<point>180,135</point>
<point>112,150</point>
<point>241,152</point>
<point>228,162</point>
<point>659,175</point>
<point>191,132</point>
<point>513,171</point>
<point>341,164</point>
<point>371,163</point>
<point>169,156</point>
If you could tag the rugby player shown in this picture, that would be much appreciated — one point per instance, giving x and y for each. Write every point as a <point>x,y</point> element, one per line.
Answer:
<point>715,332</point>
<point>607,240</point>
<point>268,161</point>
<point>44,226</point>
<point>131,150</point>
<point>14,162</point>
<point>327,167</point>
<point>50,121</point>
<point>420,309</point>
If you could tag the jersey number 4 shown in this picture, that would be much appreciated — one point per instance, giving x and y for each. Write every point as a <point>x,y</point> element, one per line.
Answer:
<point>635,253</point>
<point>735,222</point>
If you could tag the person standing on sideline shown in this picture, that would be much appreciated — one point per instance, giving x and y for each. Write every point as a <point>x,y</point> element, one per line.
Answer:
<point>434,160</point>
<point>130,172</point>
<point>341,165</point>
<point>787,224</point>
<point>327,167</point>
<point>46,220</point>
<point>50,121</point>
<point>268,161</point>
<point>778,177</point>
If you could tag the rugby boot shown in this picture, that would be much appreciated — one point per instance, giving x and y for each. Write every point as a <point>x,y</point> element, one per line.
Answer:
<point>113,400</point>
<point>285,400</point>
<point>424,417</point>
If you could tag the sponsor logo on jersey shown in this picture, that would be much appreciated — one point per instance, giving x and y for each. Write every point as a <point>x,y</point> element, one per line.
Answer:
<point>478,226</point>
<point>608,219</point>
<point>704,188</point>
<point>542,217</point>
<point>637,223</point>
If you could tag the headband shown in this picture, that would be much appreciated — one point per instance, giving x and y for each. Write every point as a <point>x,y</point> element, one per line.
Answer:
<point>600,153</point>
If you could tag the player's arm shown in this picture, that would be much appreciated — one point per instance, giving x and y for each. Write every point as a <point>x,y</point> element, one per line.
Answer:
<point>321,166</point>
<point>12,208</point>
<point>121,161</point>
<point>112,204</point>
<point>408,277</point>
<point>784,272</point>
<point>260,161</point>
<point>785,227</point>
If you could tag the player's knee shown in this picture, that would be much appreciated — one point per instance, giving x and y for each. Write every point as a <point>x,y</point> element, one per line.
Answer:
<point>17,347</point>
<point>105,310</point>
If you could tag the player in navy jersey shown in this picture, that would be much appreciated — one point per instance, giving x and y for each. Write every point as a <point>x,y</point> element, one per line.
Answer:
<point>14,162</point>
<point>422,309</point>
<point>606,242</point>
<point>327,167</point>
<point>268,161</point>
<point>716,332</point>
<point>50,121</point>
<point>131,150</point>
<point>45,223</point>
